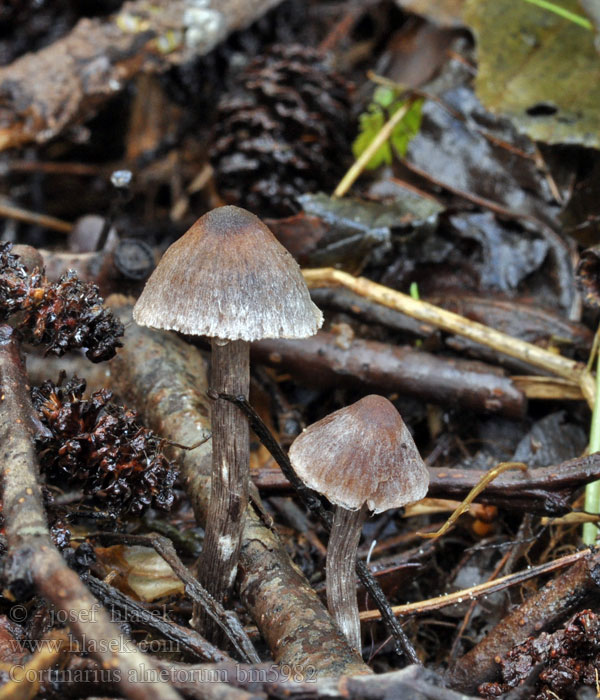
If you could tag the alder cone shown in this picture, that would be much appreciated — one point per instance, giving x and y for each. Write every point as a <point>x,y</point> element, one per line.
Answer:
<point>101,447</point>
<point>283,131</point>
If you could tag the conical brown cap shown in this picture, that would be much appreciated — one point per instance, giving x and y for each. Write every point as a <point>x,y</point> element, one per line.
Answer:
<point>362,453</point>
<point>228,277</point>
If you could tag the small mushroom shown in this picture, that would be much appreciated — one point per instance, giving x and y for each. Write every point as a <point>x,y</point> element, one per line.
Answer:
<point>228,278</point>
<point>361,458</point>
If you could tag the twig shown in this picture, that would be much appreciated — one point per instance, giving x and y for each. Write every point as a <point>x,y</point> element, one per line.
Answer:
<point>481,589</point>
<point>321,361</point>
<point>472,495</point>
<point>185,641</point>
<point>31,217</point>
<point>24,680</point>
<point>33,559</point>
<point>448,321</point>
<point>225,620</point>
<point>556,600</point>
<point>43,93</point>
<point>545,490</point>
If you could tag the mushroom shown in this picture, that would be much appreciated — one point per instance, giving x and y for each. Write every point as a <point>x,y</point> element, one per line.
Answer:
<point>228,278</point>
<point>361,458</point>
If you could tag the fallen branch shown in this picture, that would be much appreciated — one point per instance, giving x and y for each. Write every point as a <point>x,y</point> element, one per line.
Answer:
<point>545,490</point>
<point>555,601</point>
<point>34,562</point>
<point>323,361</point>
<point>42,93</point>
<point>453,323</point>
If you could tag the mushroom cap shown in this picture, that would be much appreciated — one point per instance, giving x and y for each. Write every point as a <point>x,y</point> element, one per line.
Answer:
<point>228,277</point>
<point>362,453</point>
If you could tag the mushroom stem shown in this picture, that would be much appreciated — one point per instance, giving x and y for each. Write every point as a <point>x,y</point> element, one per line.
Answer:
<point>230,374</point>
<point>341,571</point>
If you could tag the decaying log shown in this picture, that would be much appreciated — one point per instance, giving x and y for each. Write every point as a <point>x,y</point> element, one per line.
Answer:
<point>326,360</point>
<point>34,562</point>
<point>166,379</point>
<point>554,602</point>
<point>43,93</point>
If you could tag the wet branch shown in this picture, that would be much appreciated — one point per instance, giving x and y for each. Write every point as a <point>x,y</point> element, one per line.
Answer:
<point>34,562</point>
<point>321,361</point>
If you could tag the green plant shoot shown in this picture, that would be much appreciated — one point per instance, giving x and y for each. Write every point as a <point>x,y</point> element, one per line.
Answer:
<point>563,12</point>
<point>386,102</point>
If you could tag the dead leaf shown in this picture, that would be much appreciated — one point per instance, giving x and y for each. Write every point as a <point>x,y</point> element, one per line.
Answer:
<point>538,69</point>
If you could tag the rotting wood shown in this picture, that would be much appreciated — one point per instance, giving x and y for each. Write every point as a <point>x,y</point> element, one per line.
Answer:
<point>555,601</point>
<point>33,559</point>
<point>166,379</point>
<point>42,93</point>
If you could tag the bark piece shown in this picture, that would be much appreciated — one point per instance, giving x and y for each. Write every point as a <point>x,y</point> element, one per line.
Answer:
<point>555,601</point>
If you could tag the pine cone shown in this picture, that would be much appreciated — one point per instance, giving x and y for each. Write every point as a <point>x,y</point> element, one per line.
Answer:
<point>101,447</point>
<point>285,131</point>
<point>63,316</point>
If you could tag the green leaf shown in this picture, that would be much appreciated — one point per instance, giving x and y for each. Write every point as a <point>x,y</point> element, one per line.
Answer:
<point>370,124</point>
<point>384,105</point>
<point>384,96</point>
<point>407,129</point>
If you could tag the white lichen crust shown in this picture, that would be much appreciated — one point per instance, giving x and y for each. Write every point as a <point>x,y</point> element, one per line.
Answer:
<point>228,277</point>
<point>363,453</point>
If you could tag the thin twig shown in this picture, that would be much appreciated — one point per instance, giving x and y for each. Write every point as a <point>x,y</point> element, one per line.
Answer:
<point>224,619</point>
<point>482,589</point>
<point>30,217</point>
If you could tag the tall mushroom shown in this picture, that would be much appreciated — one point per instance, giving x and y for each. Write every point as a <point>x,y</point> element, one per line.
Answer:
<point>229,279</point>
<point>361,458</point>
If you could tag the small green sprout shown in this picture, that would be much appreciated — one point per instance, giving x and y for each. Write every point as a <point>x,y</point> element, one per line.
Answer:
<point>386,102</point>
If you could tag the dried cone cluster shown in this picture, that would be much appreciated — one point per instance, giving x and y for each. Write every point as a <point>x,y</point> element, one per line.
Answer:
<point>285,131</point>
<point>62,316</point>
<point>101,447</point>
